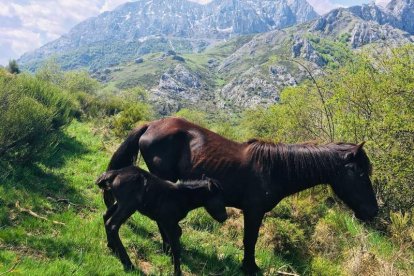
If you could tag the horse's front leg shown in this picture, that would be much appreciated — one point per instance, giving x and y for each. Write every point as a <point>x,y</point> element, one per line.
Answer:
<point>252,221</point>
<point>112,226</point>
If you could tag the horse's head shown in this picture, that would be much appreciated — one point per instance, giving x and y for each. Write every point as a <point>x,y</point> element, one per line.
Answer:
<point>353,185</point>
<point>214,204</point>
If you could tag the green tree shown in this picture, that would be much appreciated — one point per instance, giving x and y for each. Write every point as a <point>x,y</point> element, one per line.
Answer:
<point>13,67</point>
<point>80,81</point>
<point>50,71</point>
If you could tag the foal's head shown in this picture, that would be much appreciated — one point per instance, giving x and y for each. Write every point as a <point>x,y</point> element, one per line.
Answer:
<point>352,183</point>
<point>207,193</point>
<point>215,202</point>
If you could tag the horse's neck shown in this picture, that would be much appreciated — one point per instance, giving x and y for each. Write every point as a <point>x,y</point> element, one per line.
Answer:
<point>298,171</point>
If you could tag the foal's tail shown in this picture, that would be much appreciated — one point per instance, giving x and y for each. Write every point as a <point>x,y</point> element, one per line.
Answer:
<point>124,156</point>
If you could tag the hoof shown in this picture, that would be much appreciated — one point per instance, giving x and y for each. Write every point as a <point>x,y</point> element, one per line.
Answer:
<point>129,267</point>
<point>250,269</point>
<point>166,248</point>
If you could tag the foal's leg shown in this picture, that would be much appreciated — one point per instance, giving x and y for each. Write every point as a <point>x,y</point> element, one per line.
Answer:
<point>109,212</point>
<point>252,221</point>
<point>108,198</point>
<point>112,226</point>
<point>173,232</point>
<point>165,242</point>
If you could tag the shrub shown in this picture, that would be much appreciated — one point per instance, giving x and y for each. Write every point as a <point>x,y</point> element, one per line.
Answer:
<point>127,119</point>
<point>92,106</point>
<point>194,116</point>
<point>323,267</point>
<point>200,220</point>
<point>401,227</point>
<point>33,112</point>
<point>326,241</point>
<point>284,235</point>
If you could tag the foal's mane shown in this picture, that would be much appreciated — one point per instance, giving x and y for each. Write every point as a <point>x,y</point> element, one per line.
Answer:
<point>191,184</point>
<point>303,161</point>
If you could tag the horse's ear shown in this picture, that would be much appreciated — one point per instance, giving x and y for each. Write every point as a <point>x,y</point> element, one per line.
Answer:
<point>349,156</point>
<point>213,186</point>
<point>360,146</point>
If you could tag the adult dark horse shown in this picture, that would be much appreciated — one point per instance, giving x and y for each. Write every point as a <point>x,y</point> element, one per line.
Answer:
<point>255,176</point>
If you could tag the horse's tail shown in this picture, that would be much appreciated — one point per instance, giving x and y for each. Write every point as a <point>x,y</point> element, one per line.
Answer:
<point>127,152</point>
<point>123,157</point>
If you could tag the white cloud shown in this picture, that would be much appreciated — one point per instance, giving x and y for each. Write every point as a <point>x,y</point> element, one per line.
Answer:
<point>323,6</point>
<point>382,3</point>
<point>38,22</point>
<point>201,1</point>
<point>110,5</point>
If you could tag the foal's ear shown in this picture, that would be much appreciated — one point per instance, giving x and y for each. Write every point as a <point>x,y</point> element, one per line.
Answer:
<point>105,178</point>
<point>213,185</point>
<point>349,156</point>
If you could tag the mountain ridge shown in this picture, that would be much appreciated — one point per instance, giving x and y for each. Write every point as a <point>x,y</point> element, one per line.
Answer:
<point>181,24</point>
<point>240,71</point>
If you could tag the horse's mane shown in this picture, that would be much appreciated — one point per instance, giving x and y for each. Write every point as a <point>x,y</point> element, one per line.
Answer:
<point>307,161</point>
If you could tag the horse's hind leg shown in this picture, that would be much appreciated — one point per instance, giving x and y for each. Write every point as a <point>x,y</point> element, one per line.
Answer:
<point>173,232</point>
<point>112,225</point>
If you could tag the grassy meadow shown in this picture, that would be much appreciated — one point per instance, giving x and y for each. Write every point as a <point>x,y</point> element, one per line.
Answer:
<point>300,236</point>
<point>58,130</point>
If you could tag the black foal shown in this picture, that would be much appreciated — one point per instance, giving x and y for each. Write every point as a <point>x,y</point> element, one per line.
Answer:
<point>163,201</point>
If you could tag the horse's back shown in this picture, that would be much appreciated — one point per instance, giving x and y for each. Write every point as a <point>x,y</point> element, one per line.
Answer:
<point>174,148</point>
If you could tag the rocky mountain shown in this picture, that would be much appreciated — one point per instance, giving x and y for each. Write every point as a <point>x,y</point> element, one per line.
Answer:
<point>146,26</point>
<point>398,14</point>
<point>253,70</point>
<point>214,56</point>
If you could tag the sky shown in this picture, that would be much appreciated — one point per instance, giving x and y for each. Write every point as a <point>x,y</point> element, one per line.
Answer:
<point>25,25</point>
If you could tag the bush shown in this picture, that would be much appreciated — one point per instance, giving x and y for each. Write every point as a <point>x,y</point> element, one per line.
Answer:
<point>200,220</point>
<point>323,267</point>
<point>194,116</point>
<point>92,106</point>
<point>284,235</point>
<point>33,112</point>
<point>126,120</point>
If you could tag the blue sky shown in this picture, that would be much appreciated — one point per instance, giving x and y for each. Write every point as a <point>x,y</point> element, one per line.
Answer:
<point>28,24</point>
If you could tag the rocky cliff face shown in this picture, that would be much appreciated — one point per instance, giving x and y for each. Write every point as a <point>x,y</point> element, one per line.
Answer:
<point>144,26</point>
<point>398,14</point>
<point>256,72</point>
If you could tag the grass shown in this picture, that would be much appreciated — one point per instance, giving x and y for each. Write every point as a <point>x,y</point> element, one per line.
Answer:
<point>32,246</point>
